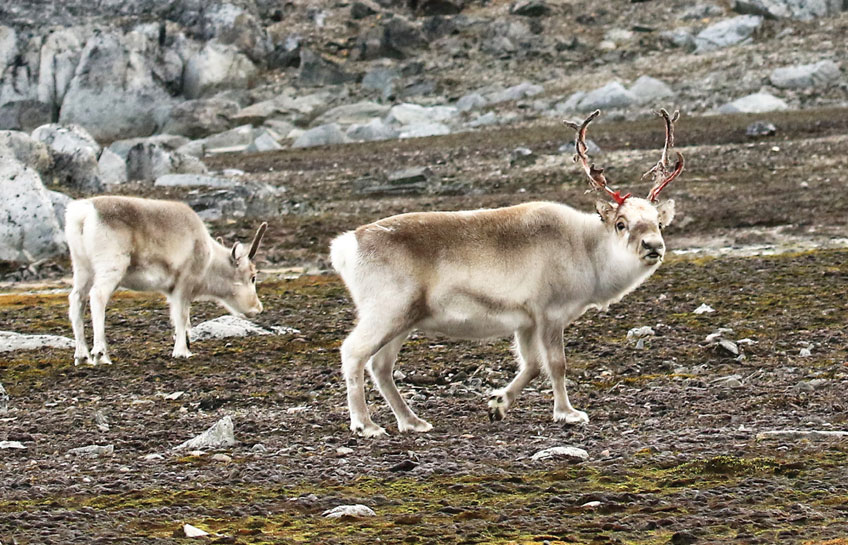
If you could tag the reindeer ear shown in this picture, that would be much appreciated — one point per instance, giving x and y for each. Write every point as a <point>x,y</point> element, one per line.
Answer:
<point>237,253</point>
<point>666,212</point>
<point>606,210</point>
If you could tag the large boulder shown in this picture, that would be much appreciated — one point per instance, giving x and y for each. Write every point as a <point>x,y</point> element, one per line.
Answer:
<point>8,46</point>
<point>235,25</point>
<point>168,141</point>
<point>202,117</point>
<point>516,92</point>
<point>806,75</point>
<point>802,10</point>
<point>348,114</point>
<point>323,135</point>
<point>74,152</point>
<point>736,30</point>
<point>611,95</point>
<point>316,70</point>
<point>112,167</point>
<point>375,129</point>
<point>408,114</point>
<point>215,67</point>
<point>648,90</point>
<point>114,93</point>
<point>149,161</point>
<point>396,38</point>
<point>25,115</point>
<point>60,54</point>
<point>28,226</point>
<point>753,104</point>
<point>29,151</point>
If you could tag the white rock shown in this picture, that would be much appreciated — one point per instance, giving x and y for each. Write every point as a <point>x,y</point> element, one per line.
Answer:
<point>516,92</point>
<point>17,445</point>
<point>233,326</point>
<point>732,381</point>
<point>215,67</point>
<point>219,435</point>
<point>421,130</point>
<point>192,180</point>
<point>611,95</point>
<point>344,451</point>
<point>591,505</point>
<point>729,346</point>
<point>725,33</point>
<point>754,104</point>
<point>409,114</point>
<point>297,410</point>
<point>11,341</point>
<point>648,90</point>
<point>471,101</point>
<point>806,75</point>
<point>153,457</point>
<point>220,457</point>
<point>639,334</point>
<point>571,454</point>
<point>174,396</point>
<point>348,114</point>
<point>375,129</point>
<point>93,451</point>
<point>323,135</point>
<point>4,400</point>
<point>193,531</point>
<point>805,353</point>
<point>352,511</point>
<point>113,169</point>
<point>264,142</point>
<point>703,309</point>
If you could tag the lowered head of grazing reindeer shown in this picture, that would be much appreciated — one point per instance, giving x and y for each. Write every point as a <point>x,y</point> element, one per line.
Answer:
<point>527,270</point>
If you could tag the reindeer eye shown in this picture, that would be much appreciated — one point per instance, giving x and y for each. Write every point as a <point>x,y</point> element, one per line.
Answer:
<point>620,226</point>
<point>253,279</point>
<point>661,226</point>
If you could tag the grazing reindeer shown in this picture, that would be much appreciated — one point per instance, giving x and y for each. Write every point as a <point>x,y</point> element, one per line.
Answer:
<point>151,245</point>
<point>528,270</point>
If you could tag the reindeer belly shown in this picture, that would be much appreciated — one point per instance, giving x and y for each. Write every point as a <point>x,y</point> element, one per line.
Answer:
<point>153,278</point>
<point>474,316</point>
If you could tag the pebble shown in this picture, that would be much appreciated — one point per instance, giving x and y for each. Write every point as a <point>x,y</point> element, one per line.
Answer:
<point>93,451</point>
<point>222,458</point>
<point>704,309</point>
<point>571,454</point>
<point>344,451</point>
<point>349,511</point>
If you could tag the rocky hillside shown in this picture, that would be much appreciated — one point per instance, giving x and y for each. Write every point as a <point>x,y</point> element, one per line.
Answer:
<point>95,94</point>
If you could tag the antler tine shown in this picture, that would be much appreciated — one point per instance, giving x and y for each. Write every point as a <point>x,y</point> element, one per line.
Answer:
<point>660,170</point>
<point>596,175</point>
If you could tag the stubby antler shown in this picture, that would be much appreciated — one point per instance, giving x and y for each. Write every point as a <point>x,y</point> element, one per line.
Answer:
<point>596,175</point>
<point>660,171</point>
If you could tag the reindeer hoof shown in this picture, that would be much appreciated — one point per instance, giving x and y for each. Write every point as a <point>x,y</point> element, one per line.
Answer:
<point>574,417</point>
<point>497,407</point>
<point>100,358</point>
<point>417,425</point>
<point>367,430</point>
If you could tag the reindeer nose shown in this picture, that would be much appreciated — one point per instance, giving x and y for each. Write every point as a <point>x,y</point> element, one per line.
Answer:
<point>652,245</point>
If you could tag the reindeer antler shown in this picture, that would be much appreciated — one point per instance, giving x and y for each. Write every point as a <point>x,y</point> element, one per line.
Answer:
<point>596,175</point>
<point>660,171</point>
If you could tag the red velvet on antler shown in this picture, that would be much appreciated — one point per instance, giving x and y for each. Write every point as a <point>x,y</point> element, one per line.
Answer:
<point>660,171</point>
<point>596,175</point>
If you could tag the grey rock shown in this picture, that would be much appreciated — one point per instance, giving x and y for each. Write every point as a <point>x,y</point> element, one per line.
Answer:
<point>638,335</point>
<point>192,180</point>
<point>114,93</point>
<point>440,7</point>
<point>755,103</point>
<point>570,454</point>
<point>219,435</point>
<point>228,326</point>
<point>702,11</point>
<point>760,128</point>
<point>12,342</point>
<point>409,114</point>
<point>569,105</point>
<point>516,92</point>
<point>264,141</point>
<point>348,114</point>
<point>362,9</point>
<point>25,115</point>
<point>530,8</point>
<point>489,118</point>
<point>199,118</point>
<point>356,511</point>
<point>591,148</point>
<point>60,204</point>
<point>284,106</point>
<point>280,126</point>
<point>728,347</point>
<point>60,53</point>
<point>233,140</point>
<point>122,148</point>
<point>802,10</point>
<point>610,96</point>
<point>726,33</point>
<point>410,181</point>
<point>323,135</point>
<point>396,38</point>
<point>316,70</point>
<point>383,80</point>
<point>648,90</point>
<point>375,129</point>
<point>151,160</point>
<point>731,381</point>
<point>245,200</point>
<point>29,151</point>
<point>93,451</point>
<point>231,24</point>
<point>8,46</point>
<point>471,101</point>
<point>679,37</point>
<point>410,176</point>
<point>807,75</point>
<point>522,155</point>
<point>215,67</point>
<point>424,129</point>
<point>74,154</point>
<point>4,400</point>
<point>29,229</point>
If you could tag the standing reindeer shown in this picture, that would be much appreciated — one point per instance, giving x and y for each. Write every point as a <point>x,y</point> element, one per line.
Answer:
<point>150,245</point>
<point>528,270</point>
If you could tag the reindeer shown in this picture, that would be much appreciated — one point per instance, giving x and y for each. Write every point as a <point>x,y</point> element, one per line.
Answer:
<point>151,245</point>
<point>527,270</point>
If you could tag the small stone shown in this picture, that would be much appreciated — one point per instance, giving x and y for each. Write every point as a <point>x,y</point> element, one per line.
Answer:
<point>221,458</point>
<point>350,511</point>
<point>405,465</point>
<point>153,457</point>
<point>193,531</point>
<point>174,396</point>
<point>297,410</point>
<point>703,309</point>
<point>4,400</point>
<point>11,445</point>
<point>259,447</point>
<point>805,353</point>
<point>93,451</point>
<point>683,538</point>
<point>732,381</point>
<point>759,129</point>
<point>521,155</point>
<point>639,335</point>
<point>219,435</point>
<point>729,347</point>
<point>591,505</point>
<point>344,451</point>
<point>571,454</point>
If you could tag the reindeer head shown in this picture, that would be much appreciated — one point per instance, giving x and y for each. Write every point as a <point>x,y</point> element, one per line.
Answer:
<point>241,298</point>
<point>637,223</point>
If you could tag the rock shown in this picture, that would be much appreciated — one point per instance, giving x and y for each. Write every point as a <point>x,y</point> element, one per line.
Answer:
<point>440,7</point>
<point>93,451</point>
<point>471,101</point>
<point>760,128</point>
<point>246,200</point>
<point>29,151</point>
<point>591,148</point>
<point>114,93</point>
<point>219,435</point>
<point>725,33</point>
<point>648,90</point>
<point>754,104</point>
<point>611,95</point>
<point>25,115</point>
<point>350,511</point>
<point>516,92</point>
<point>167,141</point>
<point>409,181</point>
<point>806,75</point>
<point>728,347</point>
<point>344,451</point>
<point>29,230</point>
<point>192,180</point>
<point>683,538</point>
<point>217,67</point>
<point>230,24</point>
<point>702,11</point>
<point>315,70</point>
<point>193,531</point>
<point>679,37</point>
<point>569,105</point>
<point>421,130</point>
<point>395,38</point>
<point>639,335</point>
<point>570,454</point>
<point>404,466</point>
<point>323,135</point>
<point>11,341</point>
<point>220,457</point>
<point>801,434</point>
<point>521,155</point>
<point>411,114</point>
<point>359,112</point>
<point>4,400</point>
<point>199,118</point>
<point>232,326</point>
<point>530,8</point>
<point>113,169</point>
<point>731,381</point>
<point>150,160</point>
<point>74,153</point>
<point>264,141</point>
<point>8,46</point>
<point>233,140</point>
<point>59,56</point>
<point>294,109</point>
<point>703,309</point>
<point>362,9</point>
<point>489,118</point>
<point>60,203</point>
<point>12,445</point>
<point>382,79</point>
<point>371,131</point>
<point>802,10</point>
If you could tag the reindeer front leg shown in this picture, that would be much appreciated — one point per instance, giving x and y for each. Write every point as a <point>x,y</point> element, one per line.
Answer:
<point>180,318</point>
<point>554,362</point>
<point>528,351</point>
